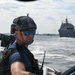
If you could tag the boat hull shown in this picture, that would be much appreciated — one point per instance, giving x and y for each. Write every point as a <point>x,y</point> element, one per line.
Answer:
<point>66,33</point>
<point>50,71</point>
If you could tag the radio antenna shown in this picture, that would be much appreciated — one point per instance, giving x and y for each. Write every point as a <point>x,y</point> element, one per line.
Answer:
<point>43,60</point>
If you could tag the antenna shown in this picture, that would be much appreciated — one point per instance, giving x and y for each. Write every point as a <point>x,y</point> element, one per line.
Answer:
<point>43,60</point>
<point>28,15</point>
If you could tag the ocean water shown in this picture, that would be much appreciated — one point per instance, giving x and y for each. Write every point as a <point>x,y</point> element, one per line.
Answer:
<point>60,52</point>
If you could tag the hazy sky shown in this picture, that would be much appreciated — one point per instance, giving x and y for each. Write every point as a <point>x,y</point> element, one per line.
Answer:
<point>48,14</point>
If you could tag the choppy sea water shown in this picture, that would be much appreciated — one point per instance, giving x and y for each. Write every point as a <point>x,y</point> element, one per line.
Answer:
<point>60,52</point>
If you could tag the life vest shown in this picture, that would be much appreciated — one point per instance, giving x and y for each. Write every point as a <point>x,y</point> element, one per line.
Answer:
<point>33,62</point>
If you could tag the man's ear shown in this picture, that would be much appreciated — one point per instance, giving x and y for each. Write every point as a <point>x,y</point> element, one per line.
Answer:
<point>16,32</point>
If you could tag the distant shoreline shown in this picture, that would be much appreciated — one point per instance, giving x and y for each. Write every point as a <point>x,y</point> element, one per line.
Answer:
<point>48,34</point>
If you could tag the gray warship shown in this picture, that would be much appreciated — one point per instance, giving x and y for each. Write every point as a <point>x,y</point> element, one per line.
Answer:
<point>67,29</point>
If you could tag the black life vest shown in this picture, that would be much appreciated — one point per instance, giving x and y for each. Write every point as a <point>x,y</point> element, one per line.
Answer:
<point>32,60</point>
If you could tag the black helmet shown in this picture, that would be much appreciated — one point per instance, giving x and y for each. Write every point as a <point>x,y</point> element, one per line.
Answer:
<point>23,23</point>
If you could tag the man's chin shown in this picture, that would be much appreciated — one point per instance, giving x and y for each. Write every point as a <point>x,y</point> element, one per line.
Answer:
<point>28,42</point>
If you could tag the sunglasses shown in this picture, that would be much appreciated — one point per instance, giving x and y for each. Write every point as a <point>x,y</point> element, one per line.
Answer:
<point>28,32</point>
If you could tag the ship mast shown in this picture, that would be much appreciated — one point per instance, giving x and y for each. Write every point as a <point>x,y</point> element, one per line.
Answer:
<point>66,20</point>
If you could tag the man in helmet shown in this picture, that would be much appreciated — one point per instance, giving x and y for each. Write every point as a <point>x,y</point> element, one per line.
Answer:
<point>22,62</point>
